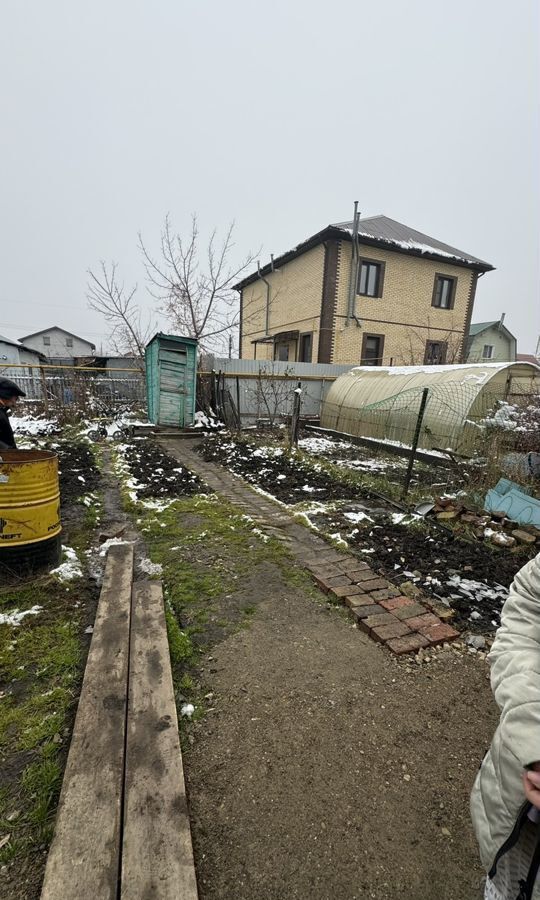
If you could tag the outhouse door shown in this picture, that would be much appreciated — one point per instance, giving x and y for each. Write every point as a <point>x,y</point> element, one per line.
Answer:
<point>172,386</point>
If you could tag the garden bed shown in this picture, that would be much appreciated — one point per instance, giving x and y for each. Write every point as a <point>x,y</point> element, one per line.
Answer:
<point>345,500</point>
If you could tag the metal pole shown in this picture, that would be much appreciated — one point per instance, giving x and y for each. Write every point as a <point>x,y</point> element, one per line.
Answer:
<point>44,389</point>
<point>416,437</point>
<point>238,402</point>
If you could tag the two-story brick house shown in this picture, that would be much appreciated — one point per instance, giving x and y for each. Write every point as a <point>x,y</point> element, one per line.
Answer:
<point>371,292</point>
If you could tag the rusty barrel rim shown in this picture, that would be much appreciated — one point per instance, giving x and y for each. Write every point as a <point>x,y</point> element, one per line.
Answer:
<point>12,457</point>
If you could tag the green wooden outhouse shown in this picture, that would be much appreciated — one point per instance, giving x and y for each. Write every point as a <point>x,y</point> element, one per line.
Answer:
<point>171,372</point>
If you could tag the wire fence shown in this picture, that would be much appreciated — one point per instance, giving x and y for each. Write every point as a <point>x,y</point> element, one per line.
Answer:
<point>69,392</point>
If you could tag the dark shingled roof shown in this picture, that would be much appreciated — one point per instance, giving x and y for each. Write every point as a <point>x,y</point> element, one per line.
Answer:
<point>379,231</point>
<point>381,228</point>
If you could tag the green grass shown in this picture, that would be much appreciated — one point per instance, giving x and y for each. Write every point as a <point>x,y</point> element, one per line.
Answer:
<point>39,675</point>
<point>215,548</point>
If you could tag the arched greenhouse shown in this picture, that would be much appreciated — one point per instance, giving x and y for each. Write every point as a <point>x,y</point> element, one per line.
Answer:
<point>384,402</point>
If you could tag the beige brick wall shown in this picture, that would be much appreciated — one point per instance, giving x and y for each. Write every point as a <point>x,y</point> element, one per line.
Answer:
<point>295,303</point>
<point>403,314</point>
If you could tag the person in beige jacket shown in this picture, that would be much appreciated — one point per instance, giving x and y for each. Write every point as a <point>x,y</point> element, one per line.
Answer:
<point>505,800</point>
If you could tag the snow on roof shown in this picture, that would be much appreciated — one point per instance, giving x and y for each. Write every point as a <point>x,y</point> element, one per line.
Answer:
<point>429,370</point>
<point>12,341</point>
<point>389,231</point>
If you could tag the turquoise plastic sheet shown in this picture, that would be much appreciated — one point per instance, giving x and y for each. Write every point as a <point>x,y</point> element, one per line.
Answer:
<point>513,500</point>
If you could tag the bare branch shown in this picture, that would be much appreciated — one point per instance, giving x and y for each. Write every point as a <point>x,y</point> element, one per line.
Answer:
<point>197,298</point>
<point>109,297</point>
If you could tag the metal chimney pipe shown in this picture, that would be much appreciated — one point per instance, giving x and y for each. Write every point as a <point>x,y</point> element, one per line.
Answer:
<point>354,264</point>
<point>267,312</point>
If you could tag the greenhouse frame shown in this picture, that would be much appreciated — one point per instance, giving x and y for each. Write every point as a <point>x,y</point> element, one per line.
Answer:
<point>462,400</point>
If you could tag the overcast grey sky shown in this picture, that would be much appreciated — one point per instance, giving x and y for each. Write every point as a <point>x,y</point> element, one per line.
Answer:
<point>276,115</point>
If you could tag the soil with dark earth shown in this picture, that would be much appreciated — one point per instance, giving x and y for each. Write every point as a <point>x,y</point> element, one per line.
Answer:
<point>158,474</point>
<point>78,472</point>
<point>361,459</point>
<point>286,476</point>
<point>471,576</point>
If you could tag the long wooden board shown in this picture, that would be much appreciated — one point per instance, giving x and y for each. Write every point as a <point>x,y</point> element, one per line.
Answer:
<point>83,862</point>
<point>157,854</point>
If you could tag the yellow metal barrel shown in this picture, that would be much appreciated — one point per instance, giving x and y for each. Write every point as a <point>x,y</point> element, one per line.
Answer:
<point>29,507</point>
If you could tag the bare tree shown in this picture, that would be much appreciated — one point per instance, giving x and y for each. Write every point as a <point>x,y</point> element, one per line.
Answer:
<point>449,340</point>
<point>109,297</point>
<point>194,286</point>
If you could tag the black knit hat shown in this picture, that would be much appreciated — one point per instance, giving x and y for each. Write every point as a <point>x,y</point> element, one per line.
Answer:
<point>10,389</point>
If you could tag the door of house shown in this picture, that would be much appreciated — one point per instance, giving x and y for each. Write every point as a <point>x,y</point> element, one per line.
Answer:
<point>172,387</point>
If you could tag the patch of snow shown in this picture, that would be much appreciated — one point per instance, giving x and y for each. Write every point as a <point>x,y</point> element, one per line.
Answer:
<point>32,425</point>
<point>111,542</point>
<point>67,571</point>
<point>321,445</point>
<point>150,568</point>
<point>357,517</point>
<point>204,421</point>
<point>403,518</point>
<point>16,617</point>
<point>339,540</point>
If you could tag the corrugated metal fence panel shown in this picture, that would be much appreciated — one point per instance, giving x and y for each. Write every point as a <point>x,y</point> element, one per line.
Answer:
<point>267,397</point>
<point>254,366</point>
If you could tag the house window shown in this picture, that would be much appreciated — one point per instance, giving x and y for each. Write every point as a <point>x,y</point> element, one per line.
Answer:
<point>370,278</point>
<point>69,342</point>
<point>372,349</point>
<point>487,352</point>
<point>444,291</point>
<point>435,354</point>
<point>305,347</point>
<point>281,352</point>
<point>46,341</point>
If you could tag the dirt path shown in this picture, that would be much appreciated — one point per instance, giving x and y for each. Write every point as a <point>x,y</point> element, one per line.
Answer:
<point>328,768</point>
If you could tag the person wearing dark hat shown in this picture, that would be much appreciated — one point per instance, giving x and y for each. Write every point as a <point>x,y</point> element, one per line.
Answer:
<point>9,395</point>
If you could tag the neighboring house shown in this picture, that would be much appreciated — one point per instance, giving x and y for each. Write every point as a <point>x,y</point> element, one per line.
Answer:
<point>14,353</point>
<point>19,363</point>
<point>528,357</point>
<point>491,342</point>
<point>371,292</point>
<point>58,345</point>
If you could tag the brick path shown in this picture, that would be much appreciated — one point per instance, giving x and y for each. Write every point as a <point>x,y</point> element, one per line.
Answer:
<point>402,624</point>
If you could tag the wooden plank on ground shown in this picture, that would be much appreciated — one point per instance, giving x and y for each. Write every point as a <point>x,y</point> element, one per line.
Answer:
<point>157,854</point>
<point>84,859</point>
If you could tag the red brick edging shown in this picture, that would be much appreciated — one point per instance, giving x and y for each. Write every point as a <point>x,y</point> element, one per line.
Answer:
<point>402,624</point>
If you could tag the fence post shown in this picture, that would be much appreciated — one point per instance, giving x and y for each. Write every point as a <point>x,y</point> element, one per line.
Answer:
<point>295,418</point>
<point>414,446</point>
<point>44,389</point>
<point>238,402</point>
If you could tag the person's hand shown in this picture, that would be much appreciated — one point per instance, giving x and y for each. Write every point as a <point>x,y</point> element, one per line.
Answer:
<point>531,784</point>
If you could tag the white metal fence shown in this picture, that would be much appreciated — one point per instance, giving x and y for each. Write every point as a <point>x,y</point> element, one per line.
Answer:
<point>71,390</point>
